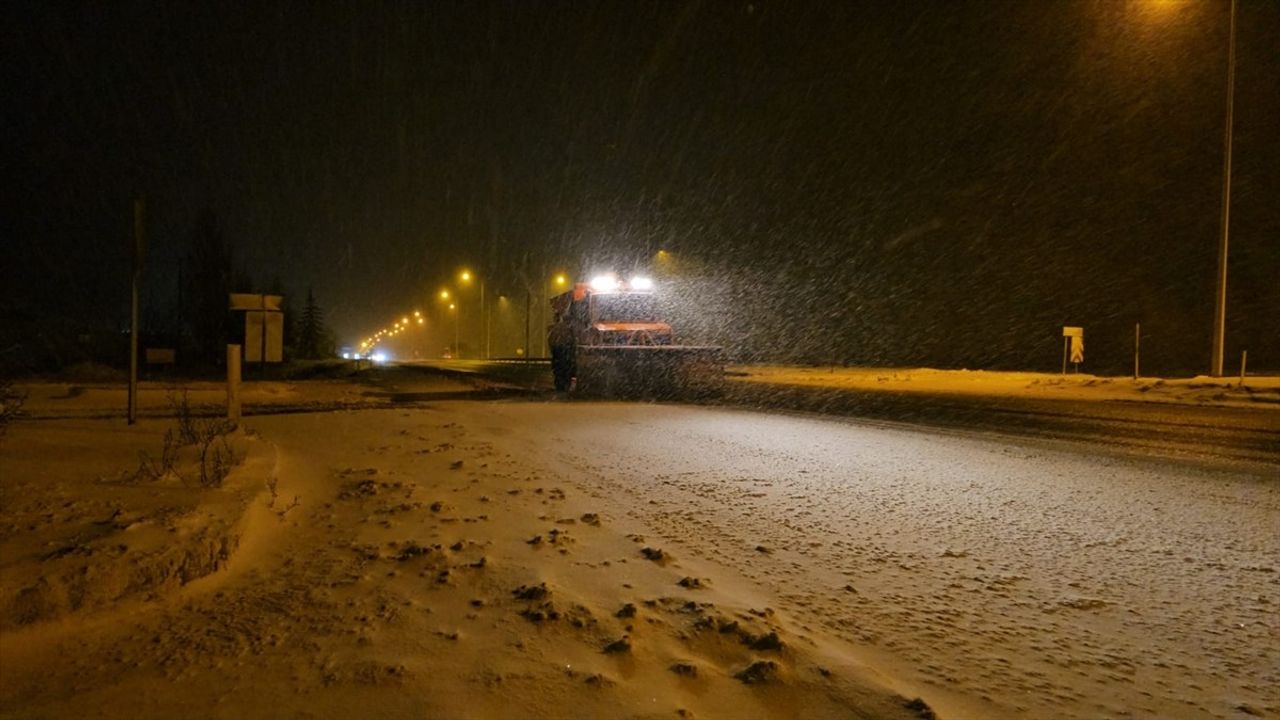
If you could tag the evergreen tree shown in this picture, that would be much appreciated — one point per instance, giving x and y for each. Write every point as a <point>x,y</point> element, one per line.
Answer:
<point>314,339</point>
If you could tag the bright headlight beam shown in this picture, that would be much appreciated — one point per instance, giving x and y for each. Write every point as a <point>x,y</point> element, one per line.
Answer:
<point>601,283</point>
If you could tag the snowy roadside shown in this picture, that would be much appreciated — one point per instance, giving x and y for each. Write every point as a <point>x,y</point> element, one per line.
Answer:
<point>94,513</point>
<point>433,569</point>
<point>384,388</point>
<point>47,400</point>
<point>1257,392</point>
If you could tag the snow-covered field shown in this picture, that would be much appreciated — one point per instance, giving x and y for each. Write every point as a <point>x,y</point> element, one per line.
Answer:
<point>498,559</point>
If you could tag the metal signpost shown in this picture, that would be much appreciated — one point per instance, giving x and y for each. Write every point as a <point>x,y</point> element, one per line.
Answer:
<point>139,247</point>
<point>1072,347</point>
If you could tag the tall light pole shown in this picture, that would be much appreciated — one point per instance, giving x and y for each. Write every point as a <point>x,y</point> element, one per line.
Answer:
<point>445,296</point>
<point>1220,306</point>
<point>457,332</point>
<point>465,277</point>
<point>555,285</point>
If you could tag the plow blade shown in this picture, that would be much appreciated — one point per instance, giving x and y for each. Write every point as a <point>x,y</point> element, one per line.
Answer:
<point>649,370</point>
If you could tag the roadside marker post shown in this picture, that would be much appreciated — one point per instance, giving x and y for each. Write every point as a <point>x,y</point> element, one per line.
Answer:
<point>1072,347</point>
<point>233,383</point>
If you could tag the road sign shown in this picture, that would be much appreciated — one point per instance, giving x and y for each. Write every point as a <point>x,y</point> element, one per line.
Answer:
<point>161,356</point>
<point>254,301</point>
<point>1072,346</point>
<point>263,326</point>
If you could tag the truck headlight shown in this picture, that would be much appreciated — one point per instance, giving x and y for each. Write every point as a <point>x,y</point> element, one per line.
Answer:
<point>602,283</point>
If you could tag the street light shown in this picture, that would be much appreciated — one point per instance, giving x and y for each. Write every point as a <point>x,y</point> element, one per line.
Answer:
<point>457,351</point>
<point>1220,305</point>
<point>466,277</point>
<point>445,296</point>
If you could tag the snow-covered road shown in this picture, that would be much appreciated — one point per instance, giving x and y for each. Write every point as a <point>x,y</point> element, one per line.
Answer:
<point>1046,580</point>
<point>410,561</point>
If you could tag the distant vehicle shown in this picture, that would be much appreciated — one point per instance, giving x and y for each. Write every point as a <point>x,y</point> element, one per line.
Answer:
<point>608,339</point>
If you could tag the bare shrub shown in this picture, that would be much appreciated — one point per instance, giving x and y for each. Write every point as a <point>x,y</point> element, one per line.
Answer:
<point>181,406</point>
<point>153,469</point>
<point>297,500</point>
<point>217,458</point>
<point>11,401</point>
<point>193,430</point>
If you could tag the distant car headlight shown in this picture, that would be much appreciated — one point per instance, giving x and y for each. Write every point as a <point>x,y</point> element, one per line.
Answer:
<point>641,283</point>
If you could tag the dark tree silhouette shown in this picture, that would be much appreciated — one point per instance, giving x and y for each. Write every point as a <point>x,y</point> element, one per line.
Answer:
<point>314,339</point>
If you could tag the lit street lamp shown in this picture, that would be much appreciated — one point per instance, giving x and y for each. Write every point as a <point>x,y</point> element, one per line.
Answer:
<point>445,296</point>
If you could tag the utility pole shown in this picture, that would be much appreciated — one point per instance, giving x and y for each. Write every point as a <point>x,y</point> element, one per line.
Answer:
<point>527,301</point>
<point>1220,306</point>
<point>543,287</point>
<point>139,241</point>
<point>485,313</point>
<point>1137,347</point>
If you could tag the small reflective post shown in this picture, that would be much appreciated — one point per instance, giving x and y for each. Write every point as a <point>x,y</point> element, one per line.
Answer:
<point>233,383</point>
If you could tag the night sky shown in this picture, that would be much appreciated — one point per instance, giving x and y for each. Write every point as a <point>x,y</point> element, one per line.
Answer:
<point>943,183</point>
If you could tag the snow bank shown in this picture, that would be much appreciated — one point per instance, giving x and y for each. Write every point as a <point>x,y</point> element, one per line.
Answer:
<point>82,530</point>
<point>1254,392</point>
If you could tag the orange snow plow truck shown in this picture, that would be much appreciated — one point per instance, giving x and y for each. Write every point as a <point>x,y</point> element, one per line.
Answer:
<point>608,339</point>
